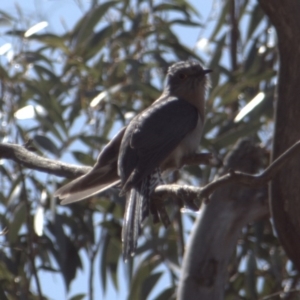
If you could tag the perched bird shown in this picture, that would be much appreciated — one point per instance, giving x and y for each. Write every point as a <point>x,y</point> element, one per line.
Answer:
<point>155,140</point>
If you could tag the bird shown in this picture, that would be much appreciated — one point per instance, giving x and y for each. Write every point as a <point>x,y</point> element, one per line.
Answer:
<point>155,140</point>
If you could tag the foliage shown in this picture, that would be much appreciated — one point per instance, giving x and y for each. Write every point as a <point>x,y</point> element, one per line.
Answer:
<point>76,90</point>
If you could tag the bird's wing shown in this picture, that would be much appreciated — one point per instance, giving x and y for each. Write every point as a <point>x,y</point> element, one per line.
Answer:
<point>152,136</point>
<point>103,175</point>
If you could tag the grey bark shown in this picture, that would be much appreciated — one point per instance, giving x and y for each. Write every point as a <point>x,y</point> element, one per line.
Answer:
<point>218,227</point>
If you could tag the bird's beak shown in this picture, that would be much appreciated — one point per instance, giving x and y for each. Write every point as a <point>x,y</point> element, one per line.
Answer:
<point>207,71</point>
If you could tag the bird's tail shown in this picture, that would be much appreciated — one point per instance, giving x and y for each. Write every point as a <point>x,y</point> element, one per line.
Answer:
<point>137,210</point>
<point>103,175</point>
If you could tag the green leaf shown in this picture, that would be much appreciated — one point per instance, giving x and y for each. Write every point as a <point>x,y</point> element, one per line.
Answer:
<point>83,158</point>
<point>221,20</point>
<point>149,284</point>
<point>185,23</point>
<point>216,57</point>
<point>33,57</point>
<point>86,26</point>
<point>5,15</point>
<point>111,252</point>
<point>252,55</point>
<point>51,40</point>
<point>78,297</point>
<point>46,143</point>
<point>181,6</point>
<point>103,263</point>
<point>216,61</point>
<point>113,257</point>
<point>47,125</point>
<point>251,268</point>
<point>257,15</point>
<point>230,137</point>
<point>65,252</point>
<point>93,141</point>
<point>2,294</point>
<point>99,40</point>
<point>46,74</point>
<point>143,271</point>
<point>19,218</point>
<point>167,294</point>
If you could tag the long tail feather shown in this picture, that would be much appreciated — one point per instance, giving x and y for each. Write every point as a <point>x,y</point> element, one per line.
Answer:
<point>103,175</point>
<point>132,223</point>
<point>96,181</point>
<point>136,211</point>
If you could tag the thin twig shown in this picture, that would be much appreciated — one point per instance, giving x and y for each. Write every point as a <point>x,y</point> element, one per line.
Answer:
<point>279,293</point>
<point>248,179</point>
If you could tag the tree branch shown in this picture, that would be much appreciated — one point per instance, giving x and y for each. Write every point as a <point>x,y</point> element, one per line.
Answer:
<point>21,155</point>
<point>30,160</point>
<point>190,193</point>
<point>187,193</point>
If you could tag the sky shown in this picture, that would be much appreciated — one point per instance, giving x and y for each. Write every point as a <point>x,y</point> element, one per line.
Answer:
<point>62,15</point>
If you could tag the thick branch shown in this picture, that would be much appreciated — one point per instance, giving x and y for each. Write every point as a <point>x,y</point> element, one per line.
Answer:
<point>30,160</point>
<point>190,194</point>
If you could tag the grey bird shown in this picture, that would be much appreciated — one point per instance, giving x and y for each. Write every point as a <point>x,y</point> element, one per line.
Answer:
<point>154,141</point>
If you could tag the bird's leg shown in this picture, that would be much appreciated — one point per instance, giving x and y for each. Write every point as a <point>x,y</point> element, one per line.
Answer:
<point>157,207</point>
<point>163,215</point>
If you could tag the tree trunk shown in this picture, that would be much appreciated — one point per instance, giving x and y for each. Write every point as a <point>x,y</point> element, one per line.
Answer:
<point>218,227</point>
<point>285,187</point>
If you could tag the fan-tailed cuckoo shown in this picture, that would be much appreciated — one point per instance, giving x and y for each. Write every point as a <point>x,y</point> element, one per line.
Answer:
<point>155,140</point>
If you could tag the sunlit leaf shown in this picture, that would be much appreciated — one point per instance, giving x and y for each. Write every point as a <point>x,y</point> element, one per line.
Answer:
<point>106,95</point>
<point>250,106</point>
<point>30,112</point>
<point>36,28</point>
<point>38,220</point>
<point>5,48</point>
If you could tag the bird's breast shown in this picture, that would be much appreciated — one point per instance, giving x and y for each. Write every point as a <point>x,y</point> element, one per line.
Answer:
<point>187,146</point>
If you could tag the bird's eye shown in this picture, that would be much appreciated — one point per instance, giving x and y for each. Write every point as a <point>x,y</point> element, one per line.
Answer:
<point>182,76</point>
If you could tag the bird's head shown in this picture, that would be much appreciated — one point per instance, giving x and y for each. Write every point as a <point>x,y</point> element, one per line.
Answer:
<point>187,79</point>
